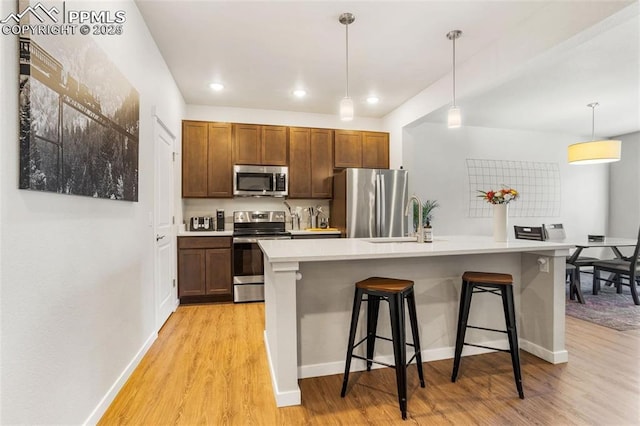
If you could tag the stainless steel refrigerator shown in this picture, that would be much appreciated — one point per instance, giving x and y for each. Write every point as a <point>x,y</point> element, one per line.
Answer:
<point>370,203</point>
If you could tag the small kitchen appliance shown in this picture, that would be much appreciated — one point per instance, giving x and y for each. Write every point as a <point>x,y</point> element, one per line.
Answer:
<point>201,223</point>
<point>260,181</point>
<point>219,220</point>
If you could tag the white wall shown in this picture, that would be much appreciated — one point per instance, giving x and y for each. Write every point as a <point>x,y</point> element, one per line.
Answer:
<point>77,298</point>
<point>436,159</point>
<point>283,118</point>
<point>624,194</point>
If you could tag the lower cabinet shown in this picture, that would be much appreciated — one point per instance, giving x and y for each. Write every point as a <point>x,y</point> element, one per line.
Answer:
<point>204,269</point>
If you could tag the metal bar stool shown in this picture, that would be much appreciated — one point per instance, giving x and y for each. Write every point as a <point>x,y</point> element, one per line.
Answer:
<point>395,292</point>
<point>498,284</point>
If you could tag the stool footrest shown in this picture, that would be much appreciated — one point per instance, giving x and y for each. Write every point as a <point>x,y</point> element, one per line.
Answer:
<point>383,338</point>
<point>373,361</point>
<point>487,329</point>
<point>486,347</point>
<point>380,362</point>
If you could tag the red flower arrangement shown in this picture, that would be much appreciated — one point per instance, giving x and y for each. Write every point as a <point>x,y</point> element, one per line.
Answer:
<point>501,196</point>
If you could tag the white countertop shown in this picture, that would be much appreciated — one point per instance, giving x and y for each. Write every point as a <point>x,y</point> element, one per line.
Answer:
<point>362,248</point>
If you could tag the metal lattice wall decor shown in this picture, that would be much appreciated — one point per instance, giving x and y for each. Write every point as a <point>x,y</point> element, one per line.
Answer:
<point>537,183</point>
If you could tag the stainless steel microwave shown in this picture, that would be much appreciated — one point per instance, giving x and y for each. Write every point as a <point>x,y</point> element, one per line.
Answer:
<point>260,181</point>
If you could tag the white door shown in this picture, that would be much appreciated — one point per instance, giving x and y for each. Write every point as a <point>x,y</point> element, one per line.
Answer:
<point>165,251</point>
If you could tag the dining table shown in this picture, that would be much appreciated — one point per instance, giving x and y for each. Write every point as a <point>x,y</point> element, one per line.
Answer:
<point>615,244</point>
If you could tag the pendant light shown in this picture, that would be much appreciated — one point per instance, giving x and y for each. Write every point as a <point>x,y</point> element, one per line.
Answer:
<point>346,104</point>
<point>595,151</point>
<point>454,119</point>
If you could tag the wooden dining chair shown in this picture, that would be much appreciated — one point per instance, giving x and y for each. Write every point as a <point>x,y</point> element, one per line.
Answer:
<point>537,233</point>
<point>626,272</point>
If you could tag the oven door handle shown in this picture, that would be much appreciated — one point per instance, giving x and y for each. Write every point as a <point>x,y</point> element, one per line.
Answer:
<point>245,240</point>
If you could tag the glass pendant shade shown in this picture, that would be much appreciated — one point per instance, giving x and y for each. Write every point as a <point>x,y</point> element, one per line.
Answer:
<point>454,119</point>
<point>594,152</point>
<point>346,109</point>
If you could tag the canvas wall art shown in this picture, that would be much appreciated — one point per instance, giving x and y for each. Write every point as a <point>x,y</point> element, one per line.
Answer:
<point>79,119</point>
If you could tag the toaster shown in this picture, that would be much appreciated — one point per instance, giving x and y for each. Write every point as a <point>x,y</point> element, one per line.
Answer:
<point>202,223</point>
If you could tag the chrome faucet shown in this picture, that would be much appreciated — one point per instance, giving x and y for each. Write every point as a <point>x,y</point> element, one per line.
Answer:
<point>419,233</point>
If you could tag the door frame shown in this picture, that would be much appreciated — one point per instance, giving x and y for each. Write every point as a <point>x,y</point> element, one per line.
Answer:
<point>158,124</point>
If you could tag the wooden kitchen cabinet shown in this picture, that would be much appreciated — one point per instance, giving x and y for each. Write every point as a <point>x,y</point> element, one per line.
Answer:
<point>274,145</point>
<point>361,149</point>
<point>375,150</point>
<point>219,161</point>
<point>206,160</point>
<point>347,149</point>
<point>310,163</point>
<point>194,159</point>
<point>299,162</point>
<point>260,145</point>
<point>204,269</point>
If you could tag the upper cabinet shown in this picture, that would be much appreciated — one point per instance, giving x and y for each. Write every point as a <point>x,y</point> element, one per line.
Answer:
<point>347,149</point>
<point>194,158</point>
<point>206,160</point>
<point>375,150</point>
<point>322,163</point>
<point>310,163</point>
<point>361,149</point>
<point>260,145</point>
<point>210,149</point>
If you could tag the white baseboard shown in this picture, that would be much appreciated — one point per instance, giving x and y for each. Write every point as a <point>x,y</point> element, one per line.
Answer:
<point>557,357</point>
<point>283,399</point>
<point>106,400</point>
<point>329,368</point>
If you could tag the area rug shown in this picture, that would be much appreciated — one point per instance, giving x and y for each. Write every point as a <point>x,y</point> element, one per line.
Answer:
<point>608,308</point>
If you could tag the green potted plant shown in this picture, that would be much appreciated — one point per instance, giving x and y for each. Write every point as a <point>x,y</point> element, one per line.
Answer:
<point>427,213</point>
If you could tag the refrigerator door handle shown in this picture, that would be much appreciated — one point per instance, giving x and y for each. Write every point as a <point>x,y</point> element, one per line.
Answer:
<point>378,202</point>
<point>383,210</point>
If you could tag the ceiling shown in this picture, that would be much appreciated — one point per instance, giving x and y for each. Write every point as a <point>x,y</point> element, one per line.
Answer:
<point>585,51</point>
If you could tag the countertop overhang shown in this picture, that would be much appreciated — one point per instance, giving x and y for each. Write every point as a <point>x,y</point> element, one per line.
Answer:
<point>318,250</point>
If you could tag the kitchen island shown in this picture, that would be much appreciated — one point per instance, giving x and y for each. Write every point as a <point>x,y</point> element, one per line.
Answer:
<point>309,286</point>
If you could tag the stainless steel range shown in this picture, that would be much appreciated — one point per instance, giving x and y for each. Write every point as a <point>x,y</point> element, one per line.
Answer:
<point>248,268</point>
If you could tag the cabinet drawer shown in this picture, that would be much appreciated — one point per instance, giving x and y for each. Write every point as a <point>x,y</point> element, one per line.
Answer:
<point>203,242</point>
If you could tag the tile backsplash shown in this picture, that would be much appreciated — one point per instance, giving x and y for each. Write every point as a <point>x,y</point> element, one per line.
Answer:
<point>207,207</point>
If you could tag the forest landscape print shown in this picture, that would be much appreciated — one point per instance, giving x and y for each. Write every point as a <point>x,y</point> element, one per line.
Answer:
<point>79,120</point>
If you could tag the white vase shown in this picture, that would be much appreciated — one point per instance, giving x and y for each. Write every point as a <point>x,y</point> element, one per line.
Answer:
<point>500,214</point>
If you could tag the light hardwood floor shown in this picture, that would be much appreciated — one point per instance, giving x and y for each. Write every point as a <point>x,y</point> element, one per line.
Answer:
<point>208,366</point>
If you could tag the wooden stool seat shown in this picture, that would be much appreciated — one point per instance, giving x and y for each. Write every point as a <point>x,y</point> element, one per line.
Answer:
<point>500,285</point>
<point>488,278</point>
<point>390,285</point>
<point>396,292</point>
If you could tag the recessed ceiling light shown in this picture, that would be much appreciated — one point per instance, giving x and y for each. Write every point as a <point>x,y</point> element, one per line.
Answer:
<point>373,100</point>
<point>300,93</point>
<point>217,86</point>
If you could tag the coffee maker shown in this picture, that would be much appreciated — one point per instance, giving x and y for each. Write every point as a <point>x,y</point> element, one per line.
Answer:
<point>219,220</point>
